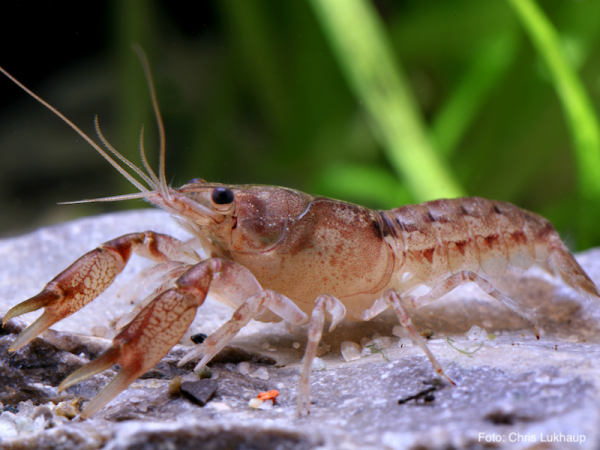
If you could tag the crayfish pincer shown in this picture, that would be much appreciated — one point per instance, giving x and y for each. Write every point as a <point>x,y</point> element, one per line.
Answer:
<point>274,254</point>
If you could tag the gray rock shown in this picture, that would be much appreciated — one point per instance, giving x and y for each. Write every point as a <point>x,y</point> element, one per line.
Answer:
<point>513,392</point>
<point>199,391</point>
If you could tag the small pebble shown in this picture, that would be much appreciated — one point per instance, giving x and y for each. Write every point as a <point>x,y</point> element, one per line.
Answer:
<point>267,404</point>
<point>219,406</point>
<point>255,403</point>
<point>296,345</point>
<point>7,429</point>
<point>8,416</point>
<point>477,334</point>
<point>198,338</point>
<point>405,342</point>
<point>323,349</point>
<point>205,372</point>
<point>199,392</point>
<point>271,349</point>
<point>244,368</point>
<point>318,365</point>
<point>350,351</point>
<point>261,373</point>
<point>400,331</point>
<point>174,386</point>
<point>68,408</point>
<point>265,345</point>
<point>385,341</point>
<point>427,334</point>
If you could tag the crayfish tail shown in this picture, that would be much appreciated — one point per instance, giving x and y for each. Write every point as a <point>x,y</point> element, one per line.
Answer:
<point>565,265</point>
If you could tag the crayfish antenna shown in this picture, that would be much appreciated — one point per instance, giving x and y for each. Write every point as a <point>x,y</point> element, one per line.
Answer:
<point>160,125</point>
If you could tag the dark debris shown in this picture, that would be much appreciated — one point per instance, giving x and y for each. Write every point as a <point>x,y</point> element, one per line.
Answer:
<point>200,391</point>
<point>425,394</point>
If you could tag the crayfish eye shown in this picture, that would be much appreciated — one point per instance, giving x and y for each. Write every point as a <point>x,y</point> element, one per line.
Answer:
<point>222,196</point>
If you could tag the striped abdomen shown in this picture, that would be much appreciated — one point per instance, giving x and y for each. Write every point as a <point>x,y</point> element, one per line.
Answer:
<point>444,237</point>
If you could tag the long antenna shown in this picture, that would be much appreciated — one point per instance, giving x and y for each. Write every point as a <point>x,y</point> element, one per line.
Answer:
<point>159,122</point>
<point>106,156</point>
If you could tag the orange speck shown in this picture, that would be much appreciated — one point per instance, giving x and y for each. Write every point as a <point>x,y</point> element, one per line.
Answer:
<point>269,395</point>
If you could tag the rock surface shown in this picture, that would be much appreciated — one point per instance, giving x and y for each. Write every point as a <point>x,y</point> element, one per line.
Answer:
<point>512,391</point>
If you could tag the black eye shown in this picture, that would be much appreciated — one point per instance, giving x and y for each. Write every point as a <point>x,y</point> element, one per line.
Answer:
<point>222,196</point>
<point>195,180</point>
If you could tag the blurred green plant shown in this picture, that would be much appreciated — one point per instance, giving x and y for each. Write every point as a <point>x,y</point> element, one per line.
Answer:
<point>361,45</point>
<point>581,118</point>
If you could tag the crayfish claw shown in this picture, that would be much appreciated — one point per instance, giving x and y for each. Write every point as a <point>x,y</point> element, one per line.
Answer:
<point>45,321</point>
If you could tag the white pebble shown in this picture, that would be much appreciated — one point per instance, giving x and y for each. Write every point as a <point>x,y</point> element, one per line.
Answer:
<point>271,349</point>
<point>24,424</point>
<point>318,365</point>
<point>400,331</point>
<point>219,406</point>
<point>267,404</point>
<point>190,377</point>
<point>296,345</point>
<point>7,416</point>
<point>476,334</point>
<point>243,368</point>
<point>405,342</point>
<point>255,403</point>
<point>261,373</point>
<point>385,341</point>
<point>7,429</point>
<point>365,341</point>
<point>350,351</point>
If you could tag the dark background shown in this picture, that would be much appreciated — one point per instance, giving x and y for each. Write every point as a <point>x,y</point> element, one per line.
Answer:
<point>251,93</point>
